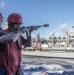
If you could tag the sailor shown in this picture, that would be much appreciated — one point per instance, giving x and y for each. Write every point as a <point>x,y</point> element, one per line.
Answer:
<point>1,20</point>
<point>11,44</point>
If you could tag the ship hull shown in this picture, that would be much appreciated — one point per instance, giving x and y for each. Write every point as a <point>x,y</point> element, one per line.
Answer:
<point>52,54</point>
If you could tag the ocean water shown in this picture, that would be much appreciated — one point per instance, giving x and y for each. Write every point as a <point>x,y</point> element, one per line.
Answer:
<point>47,66</point>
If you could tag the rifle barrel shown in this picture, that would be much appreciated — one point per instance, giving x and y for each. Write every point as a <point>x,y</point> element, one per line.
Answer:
<point>45,25</point>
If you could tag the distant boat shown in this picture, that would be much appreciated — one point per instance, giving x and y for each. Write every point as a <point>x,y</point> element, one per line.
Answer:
<point>55,47</point>
<point>50,53</point>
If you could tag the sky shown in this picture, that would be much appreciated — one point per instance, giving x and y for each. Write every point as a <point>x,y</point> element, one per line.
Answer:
<point>59,14</point>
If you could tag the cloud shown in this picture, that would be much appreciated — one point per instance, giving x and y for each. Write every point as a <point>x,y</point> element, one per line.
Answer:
<point>64,27</point>
<point>33,36</point>
<point>2,4</point>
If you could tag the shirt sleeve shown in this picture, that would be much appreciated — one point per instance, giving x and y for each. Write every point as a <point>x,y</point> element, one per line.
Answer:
<point>2,45</point>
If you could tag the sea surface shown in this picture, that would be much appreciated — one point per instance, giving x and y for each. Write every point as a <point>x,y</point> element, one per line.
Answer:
<point>47,66</point>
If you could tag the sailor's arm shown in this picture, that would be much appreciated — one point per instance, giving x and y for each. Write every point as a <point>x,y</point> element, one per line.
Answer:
<point>9,38</point>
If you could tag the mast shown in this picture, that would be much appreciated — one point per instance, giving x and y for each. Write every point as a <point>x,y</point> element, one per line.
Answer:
<point>53,39</point>
<point>67,39</point>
